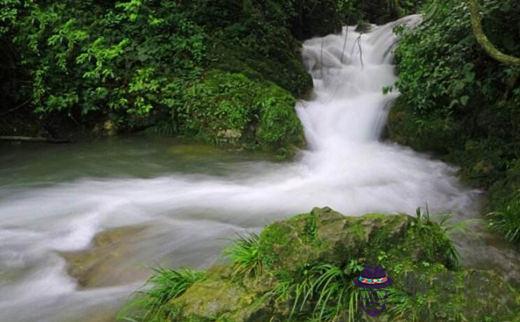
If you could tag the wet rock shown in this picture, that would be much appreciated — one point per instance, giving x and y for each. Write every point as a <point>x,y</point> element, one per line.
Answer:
<point>107,128</point>
<point>229,136</point>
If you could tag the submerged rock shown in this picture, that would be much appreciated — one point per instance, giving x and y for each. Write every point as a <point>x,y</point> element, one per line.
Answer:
<point>290,255</point>
<point>98,265</point>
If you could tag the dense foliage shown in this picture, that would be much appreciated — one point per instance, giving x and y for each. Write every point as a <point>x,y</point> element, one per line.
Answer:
<point>88,60</point>
<point>460,103</point>
<point>141,63</point>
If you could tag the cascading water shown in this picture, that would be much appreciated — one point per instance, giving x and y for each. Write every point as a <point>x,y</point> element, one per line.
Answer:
<point>187,217</point>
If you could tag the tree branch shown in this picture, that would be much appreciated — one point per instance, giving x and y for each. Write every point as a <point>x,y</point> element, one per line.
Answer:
<point>483,40</point>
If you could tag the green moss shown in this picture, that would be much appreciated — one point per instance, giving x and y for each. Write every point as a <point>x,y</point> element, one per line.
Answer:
<point>279,242</point>
<point>279,126</point>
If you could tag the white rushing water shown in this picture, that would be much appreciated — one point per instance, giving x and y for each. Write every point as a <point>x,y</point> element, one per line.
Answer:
<point>188,217</point>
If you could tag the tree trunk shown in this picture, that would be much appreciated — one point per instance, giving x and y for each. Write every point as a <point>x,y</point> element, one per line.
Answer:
<point>33,139</point>
<point>483,40</point>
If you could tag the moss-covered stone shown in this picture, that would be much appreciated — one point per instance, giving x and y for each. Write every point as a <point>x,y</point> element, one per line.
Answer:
<point>287,245</point>
<point>220,298</point>
<point>415,252</point>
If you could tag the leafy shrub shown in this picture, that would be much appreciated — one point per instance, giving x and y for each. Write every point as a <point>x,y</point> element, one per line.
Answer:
<point>112,57</point>
<point>142,63</point>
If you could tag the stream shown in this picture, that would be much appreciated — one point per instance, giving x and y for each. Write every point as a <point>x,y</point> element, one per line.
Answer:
<point>176,204</point>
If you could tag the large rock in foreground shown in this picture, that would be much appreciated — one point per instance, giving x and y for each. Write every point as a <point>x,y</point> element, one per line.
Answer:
<point>301,269</point>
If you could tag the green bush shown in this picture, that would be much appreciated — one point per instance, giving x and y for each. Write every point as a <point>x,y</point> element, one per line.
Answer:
<point>141,63</point>
<point>85,58</point>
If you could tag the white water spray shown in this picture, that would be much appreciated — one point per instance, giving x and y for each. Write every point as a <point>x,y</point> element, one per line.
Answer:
<point>345,167</point>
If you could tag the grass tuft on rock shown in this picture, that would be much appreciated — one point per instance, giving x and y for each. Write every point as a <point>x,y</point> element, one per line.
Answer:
<point>245,255</point>
<point>166,284</point>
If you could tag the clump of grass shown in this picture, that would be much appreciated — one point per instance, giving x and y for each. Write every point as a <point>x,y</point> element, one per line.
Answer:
<point>245,255</point>
<point>403,306</point>
<point>165,284</point>
<point>506,219</point>
<point>323,291</point>
<point>440,230</point>
<point>311,229</point>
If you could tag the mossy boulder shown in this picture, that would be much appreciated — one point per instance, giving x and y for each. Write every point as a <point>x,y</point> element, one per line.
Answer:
<point>324,235</point>
<point>292,253</point>
<point>230,108</point>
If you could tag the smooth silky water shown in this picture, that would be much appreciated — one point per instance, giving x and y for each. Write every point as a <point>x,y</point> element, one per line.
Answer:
<point>189,201</point>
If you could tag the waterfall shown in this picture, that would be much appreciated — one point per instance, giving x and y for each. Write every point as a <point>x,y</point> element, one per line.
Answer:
<point>345,166</point>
